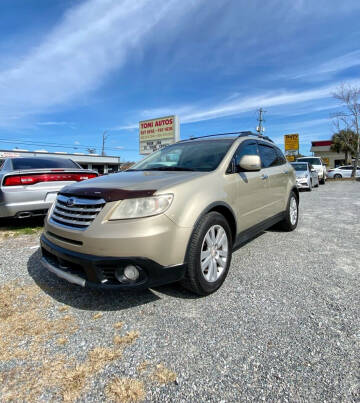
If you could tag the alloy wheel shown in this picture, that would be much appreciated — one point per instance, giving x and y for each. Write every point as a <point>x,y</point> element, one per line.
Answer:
<point>214,253</point>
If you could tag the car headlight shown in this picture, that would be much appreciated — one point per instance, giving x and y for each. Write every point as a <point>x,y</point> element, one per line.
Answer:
<point>141,207</point>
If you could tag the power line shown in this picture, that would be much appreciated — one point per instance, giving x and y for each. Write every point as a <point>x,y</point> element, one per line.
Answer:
<point>56,145</point>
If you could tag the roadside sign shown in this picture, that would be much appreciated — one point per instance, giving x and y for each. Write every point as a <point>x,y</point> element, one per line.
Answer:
<point>158,133</point>
<point>325,160</point>
<point>291,142</point>
<point>290,158</point>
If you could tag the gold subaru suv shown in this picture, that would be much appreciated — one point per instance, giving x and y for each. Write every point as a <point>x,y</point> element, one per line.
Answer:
<point>175,216</point>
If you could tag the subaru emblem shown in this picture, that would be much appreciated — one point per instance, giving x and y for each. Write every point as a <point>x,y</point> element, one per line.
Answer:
<point>70,202</point>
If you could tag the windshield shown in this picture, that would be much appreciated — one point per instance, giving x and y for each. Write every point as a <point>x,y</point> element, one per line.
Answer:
<point>38,163</point>
<point>300,166</point>
<point>313,161</point>
<point>204,155</point>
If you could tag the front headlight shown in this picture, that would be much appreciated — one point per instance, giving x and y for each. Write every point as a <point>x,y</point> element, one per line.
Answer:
<point>142,207</point>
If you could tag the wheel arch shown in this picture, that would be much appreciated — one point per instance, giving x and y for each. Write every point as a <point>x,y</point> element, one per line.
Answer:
<point>297,194</point>
<point>225,210</point>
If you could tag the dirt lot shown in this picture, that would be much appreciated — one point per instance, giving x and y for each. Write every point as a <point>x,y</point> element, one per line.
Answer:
<point>284,326</point>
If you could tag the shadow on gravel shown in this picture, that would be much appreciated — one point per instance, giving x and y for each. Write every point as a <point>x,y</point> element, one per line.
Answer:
<point>83,298</point>
<point>21,223</point>
<point>88,299</point>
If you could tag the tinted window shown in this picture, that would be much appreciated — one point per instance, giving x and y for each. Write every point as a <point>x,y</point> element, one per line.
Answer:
<point>203,155</point>
<point>246,148</point>
<point>311,160</point>
<point>299,166</point>
<point>268,156</point>
<point>38,163</point>
<point>280,155</point>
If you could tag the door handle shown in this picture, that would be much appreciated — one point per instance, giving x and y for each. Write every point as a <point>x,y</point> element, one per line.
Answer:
<point>264,176</point>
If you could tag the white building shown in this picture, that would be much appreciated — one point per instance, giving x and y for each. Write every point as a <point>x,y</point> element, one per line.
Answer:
<point>322,149</point>
<point>102,164</point>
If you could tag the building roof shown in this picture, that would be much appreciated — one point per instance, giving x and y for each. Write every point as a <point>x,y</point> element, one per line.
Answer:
<point>82,158</point>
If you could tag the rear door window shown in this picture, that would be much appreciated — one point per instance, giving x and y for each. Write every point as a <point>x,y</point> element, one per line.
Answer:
<point>42,163</point>
<point>268,156</point>
<point>281,158</point>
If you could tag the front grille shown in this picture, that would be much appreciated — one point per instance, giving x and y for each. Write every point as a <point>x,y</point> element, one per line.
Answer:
<point>76,212</point>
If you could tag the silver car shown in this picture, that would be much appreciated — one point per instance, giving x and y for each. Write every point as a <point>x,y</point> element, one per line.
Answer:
<point>342,172</point>
<point>28,186</point>
<point>306,176</point>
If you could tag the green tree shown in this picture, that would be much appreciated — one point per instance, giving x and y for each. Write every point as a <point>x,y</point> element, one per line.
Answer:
<point>344,141</point>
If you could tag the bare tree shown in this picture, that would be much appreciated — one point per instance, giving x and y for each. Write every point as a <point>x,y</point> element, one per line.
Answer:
<point>349,118</point>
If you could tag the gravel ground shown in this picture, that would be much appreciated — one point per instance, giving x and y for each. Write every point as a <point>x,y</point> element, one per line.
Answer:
<point>284,326</point>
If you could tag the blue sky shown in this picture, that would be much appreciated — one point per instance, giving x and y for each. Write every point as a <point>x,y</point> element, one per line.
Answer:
<point>71,69</point>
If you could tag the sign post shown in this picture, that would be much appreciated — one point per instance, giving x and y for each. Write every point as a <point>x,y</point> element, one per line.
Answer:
<point>157,133</point>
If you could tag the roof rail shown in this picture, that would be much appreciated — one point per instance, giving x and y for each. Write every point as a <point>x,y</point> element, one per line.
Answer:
<point>240,134</point>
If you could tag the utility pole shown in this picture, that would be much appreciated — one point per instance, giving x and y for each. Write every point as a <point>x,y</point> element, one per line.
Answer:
<point>260,128</point>
<point>104,137</point>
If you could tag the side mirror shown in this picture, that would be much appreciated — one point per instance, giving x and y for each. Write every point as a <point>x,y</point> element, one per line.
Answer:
<point>250,163</point>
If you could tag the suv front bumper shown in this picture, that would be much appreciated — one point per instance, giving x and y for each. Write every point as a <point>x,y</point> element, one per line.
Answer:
<point>99,272</point>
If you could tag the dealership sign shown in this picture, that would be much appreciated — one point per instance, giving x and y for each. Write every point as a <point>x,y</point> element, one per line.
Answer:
<point>158,133</point>
<point>291,142</point>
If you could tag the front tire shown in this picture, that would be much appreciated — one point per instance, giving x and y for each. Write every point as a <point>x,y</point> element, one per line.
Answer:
<point>337,176</point>
<point>289,223</point>
<point>209,255</point>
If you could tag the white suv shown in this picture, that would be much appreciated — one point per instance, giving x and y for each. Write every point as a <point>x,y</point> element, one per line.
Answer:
<point>318,165</point>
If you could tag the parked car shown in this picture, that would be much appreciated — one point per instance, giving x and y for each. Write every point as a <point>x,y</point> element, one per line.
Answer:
<point>176,215</point>
<point>306,175</point>
<point>318,164</point>
<point>28,186</point>
<point>343,172</point>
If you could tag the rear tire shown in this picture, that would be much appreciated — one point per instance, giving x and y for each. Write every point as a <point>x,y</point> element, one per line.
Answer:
<point>209,255</point>
<point>322,181</point>
<point>289,223</point>
<point>337,176</point>
<point>310,187</point>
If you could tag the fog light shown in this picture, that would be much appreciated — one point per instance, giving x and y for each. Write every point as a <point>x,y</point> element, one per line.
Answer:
<point>131,273</point>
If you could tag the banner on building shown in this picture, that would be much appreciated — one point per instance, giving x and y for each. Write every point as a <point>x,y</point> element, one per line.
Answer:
<point>155,134</point>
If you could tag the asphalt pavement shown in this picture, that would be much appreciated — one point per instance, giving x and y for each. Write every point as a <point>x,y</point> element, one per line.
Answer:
<point>285,325</point>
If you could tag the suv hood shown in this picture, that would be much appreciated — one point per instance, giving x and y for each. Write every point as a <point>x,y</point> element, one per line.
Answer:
<point>127,185</point>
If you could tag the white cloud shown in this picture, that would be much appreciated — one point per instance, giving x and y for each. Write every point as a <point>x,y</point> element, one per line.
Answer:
<point>331,66</point>
<point>293,102</point>
<point>54,123</point>
<point>242,104</point>
<point>91,40</point>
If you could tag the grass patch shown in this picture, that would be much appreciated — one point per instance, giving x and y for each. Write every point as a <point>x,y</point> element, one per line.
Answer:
<point>125,390</point>
<point>25,333</point>
<point>163,375</point>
